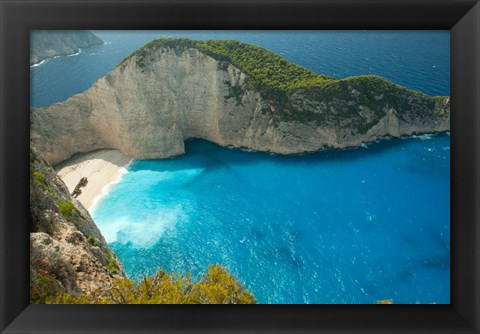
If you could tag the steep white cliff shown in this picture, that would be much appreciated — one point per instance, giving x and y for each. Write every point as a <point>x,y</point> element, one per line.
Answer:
<point>148,108</point>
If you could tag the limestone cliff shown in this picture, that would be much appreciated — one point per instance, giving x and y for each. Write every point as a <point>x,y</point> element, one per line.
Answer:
<point>68,254</point>
<point>46,44</point>
<point>233,94</point>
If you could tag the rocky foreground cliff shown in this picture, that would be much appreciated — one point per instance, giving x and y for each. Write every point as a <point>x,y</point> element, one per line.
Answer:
<point>46,44</point>
<point>233,94</point>
<point>68,254</point>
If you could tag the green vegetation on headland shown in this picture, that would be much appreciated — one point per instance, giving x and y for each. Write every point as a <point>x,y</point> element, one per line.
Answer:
<point>265,68</point>
<point>268,73</point>
<point>217,286</point>
<point>286,85</point>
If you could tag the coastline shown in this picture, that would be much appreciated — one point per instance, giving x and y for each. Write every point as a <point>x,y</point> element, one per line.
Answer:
<point>80,50</point>
<point>102,168</point>
<point>56,56</point>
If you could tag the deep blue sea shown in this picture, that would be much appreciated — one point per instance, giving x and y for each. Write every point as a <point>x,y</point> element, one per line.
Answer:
<point>337,226</point>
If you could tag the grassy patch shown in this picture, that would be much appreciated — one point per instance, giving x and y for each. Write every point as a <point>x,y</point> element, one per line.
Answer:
<point>39,178</point>
<point>93,241</point>
<point>44,287</point>
<point>112,264</point>
<point>68,210</point>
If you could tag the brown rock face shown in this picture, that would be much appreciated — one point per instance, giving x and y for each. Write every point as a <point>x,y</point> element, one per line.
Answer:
<point>68,254</point>
<point>148,111</point>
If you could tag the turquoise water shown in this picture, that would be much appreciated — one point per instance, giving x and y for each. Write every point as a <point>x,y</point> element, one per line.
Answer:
<point>348,226</point>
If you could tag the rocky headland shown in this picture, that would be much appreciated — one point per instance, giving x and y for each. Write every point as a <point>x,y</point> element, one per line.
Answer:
<point>46,44</point>
<point>232,94</point>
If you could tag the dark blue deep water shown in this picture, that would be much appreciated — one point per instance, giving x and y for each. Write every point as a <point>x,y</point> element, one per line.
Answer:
<point>345,226</point>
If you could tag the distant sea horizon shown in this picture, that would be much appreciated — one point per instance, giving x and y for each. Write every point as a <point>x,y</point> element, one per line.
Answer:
<point>332,227</point>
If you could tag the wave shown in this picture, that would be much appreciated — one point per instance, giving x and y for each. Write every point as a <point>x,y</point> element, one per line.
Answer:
<point>38,64</point>
<point>108,187</point>
<point>141,231</point>
<point>58,56</point>
<point>75,54</point>
<point>423,137</point>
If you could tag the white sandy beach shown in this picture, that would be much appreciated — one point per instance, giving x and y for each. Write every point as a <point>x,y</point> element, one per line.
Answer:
<point>102,168</point>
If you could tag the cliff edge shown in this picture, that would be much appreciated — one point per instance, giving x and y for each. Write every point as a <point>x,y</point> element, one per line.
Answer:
<point>233,94</point>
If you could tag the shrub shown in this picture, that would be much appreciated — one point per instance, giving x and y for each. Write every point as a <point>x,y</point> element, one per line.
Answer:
<point>44,288</point>
<point>39,178</point>
<point>217,286</point>
<point>67,209</point>
<point>385,301</point>
<point>111,265</point>
<point>93,241</point>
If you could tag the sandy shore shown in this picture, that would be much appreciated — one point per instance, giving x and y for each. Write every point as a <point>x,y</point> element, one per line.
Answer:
<point>102,168</point>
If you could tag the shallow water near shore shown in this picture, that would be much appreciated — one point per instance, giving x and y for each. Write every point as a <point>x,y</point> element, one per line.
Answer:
<point>351,226</point>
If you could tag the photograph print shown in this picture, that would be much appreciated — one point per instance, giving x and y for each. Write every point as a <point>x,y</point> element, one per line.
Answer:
<point>240,167</point>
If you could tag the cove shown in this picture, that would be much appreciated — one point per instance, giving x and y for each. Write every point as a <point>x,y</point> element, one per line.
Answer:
<point>332,227</point>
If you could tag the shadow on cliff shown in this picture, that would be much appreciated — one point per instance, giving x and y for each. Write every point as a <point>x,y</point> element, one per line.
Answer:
<point>80,157</point>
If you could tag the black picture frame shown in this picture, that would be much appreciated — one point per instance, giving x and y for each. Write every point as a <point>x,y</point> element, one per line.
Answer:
<point>19,17</point>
